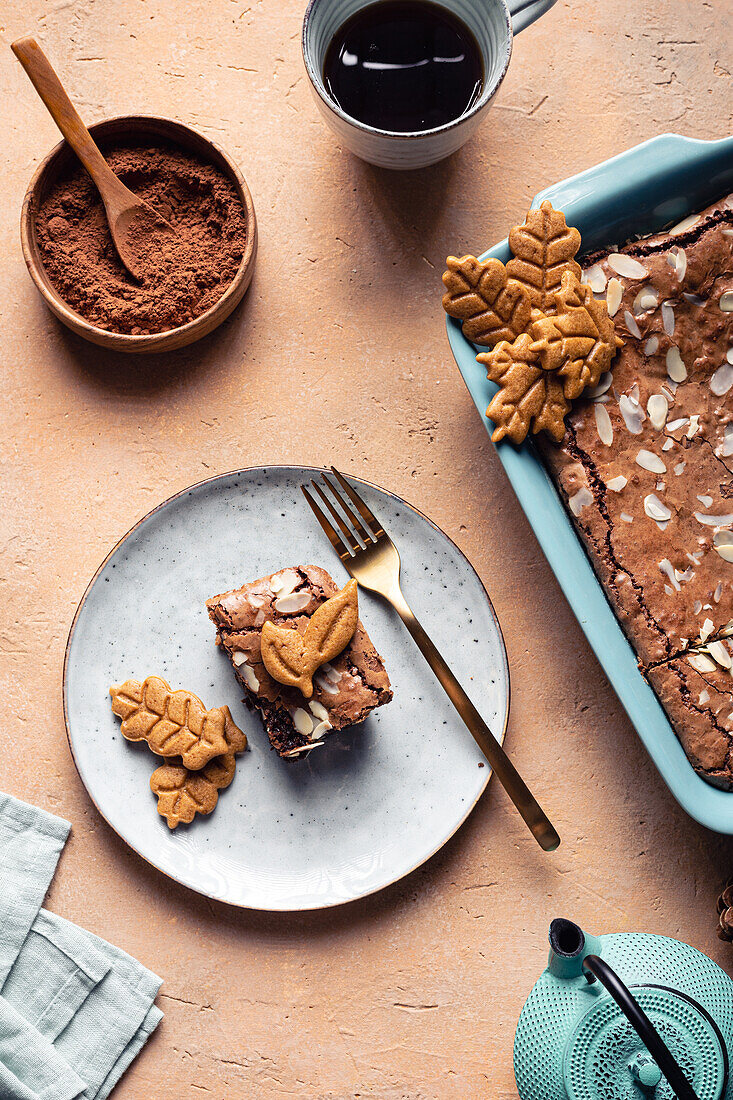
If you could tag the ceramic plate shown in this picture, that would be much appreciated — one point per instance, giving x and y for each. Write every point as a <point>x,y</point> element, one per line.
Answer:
<point>363,811</point>
<point>638,192</point>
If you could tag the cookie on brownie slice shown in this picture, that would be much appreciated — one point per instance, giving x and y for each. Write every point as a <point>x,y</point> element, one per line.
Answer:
<point>345,691</point>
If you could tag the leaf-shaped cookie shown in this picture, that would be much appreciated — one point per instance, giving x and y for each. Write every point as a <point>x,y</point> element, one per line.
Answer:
<point>292,657</point>
<point>479,293</point>
<point>579,340</point>
<point>174,723</point>
<point>543,249</point>
<point>183,793</point>
<point>528,398</point>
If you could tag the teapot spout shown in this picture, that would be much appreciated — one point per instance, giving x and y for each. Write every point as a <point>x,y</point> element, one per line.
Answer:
<point>569,945</point>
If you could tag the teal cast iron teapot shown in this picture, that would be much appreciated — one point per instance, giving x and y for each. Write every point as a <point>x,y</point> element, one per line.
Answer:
<point>625,1017</point>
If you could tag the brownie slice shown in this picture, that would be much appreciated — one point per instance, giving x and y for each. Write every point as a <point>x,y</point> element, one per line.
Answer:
<point>645,471</point>
<point>344,691</point>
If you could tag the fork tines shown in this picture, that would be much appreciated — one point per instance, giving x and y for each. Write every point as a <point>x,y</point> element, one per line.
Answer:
<point>358,525</point>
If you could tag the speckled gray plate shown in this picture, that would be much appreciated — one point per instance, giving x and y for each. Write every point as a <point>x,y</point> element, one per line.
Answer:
<point>369,807</point>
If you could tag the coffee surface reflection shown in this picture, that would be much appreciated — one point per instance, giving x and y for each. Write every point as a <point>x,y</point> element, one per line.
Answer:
<point>404,66</point>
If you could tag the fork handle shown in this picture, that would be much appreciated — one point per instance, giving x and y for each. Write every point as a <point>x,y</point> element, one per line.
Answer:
<point>510,779</point>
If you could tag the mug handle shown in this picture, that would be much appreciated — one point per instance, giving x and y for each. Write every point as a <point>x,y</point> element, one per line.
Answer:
<point>524,12</point>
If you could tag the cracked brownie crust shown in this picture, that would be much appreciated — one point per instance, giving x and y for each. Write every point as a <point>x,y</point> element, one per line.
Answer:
<point>645,471</point>
<point>345,691</point>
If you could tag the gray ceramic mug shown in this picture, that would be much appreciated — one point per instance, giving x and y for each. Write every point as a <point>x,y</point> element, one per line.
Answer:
<point>493,23</point>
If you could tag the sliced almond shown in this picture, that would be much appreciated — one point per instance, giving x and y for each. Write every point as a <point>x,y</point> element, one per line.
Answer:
<point>596,279</point>
<point>627,266</point>
<point>616,484</point>
<point>657,408</point>
<point>701,663</point>
<point>632,325</point>
<point>603,424</point>
<point>684,225</point>
<point>614,295</point>
<point>676,369</point>
<point>655,509</point>
<point>722,380</point>
<point>649,461</point>
<point>580,500</point>
<point>668,318</point>
<point>719,653</point>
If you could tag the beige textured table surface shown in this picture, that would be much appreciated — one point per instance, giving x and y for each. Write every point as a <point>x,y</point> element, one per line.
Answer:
<point>338,354</point>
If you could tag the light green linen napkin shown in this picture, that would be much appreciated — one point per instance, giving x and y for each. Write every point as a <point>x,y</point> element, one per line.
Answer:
<point>74,1010</point>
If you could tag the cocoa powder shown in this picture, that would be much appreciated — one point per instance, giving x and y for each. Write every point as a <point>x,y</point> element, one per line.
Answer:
<point>183,274</point>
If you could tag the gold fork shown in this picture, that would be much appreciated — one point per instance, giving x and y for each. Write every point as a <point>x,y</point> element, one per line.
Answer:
<point>372,559</point>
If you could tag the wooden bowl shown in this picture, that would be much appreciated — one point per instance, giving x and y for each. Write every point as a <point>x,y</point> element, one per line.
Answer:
<point>145,128</point>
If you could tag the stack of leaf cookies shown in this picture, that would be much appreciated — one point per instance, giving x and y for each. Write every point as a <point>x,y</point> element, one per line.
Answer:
<point>199,745</point>
<point>550,339</point>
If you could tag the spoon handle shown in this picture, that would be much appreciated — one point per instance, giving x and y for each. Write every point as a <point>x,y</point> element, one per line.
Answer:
<point>44,79</point>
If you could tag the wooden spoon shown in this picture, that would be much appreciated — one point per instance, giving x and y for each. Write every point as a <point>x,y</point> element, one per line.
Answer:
<point>134,224</point>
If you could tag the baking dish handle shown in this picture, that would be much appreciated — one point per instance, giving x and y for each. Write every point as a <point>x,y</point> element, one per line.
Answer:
<point>524,12</point>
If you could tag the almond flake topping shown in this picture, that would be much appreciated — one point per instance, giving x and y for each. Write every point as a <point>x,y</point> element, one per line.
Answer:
<point>286,583</point>
<point>679,468</point>
<point>302,721</point>
<point>651,346</point>
<point>714,521</point>
<point>580,500</point>
<point>632,325</point>
<point>319,730</point>
<point>250,678</point>
<point>318,709</point>
<point>706,630</point>
<point>603,424</point>
<point>627,518</point>
<point>680,262</point>
<point>668,318</point>
<point>596,279</point>
<point>665,566</point>
<point>726,551</point>
<point>632,413</point>
<point>646,299</point>
<point>701,663</point>
<point>649,461</point>
<point>705,499</point>
<point>655,509</point>
<point>616,484</point>
<point>668,444</point>
<point>627,266</point>
<point>615,294</point>
<point>676,369</point>
<point>292,602</point>
<point>604,384</point>
<point>719,653</point>
<point>725,449</point>
<point>684,225</point>
<point>722,380</point>
<point>726,301</point>
<point>657,408</point>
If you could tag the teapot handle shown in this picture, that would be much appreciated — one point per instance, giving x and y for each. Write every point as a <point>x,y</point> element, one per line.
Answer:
<point>596,967</point>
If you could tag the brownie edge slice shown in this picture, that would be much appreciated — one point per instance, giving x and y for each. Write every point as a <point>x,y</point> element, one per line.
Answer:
<point>345,691</point>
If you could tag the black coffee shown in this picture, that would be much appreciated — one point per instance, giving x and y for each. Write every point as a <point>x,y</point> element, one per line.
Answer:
<point>404,65</point>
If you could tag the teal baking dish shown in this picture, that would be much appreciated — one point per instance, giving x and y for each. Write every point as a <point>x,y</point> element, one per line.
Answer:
<point>651,186</point>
